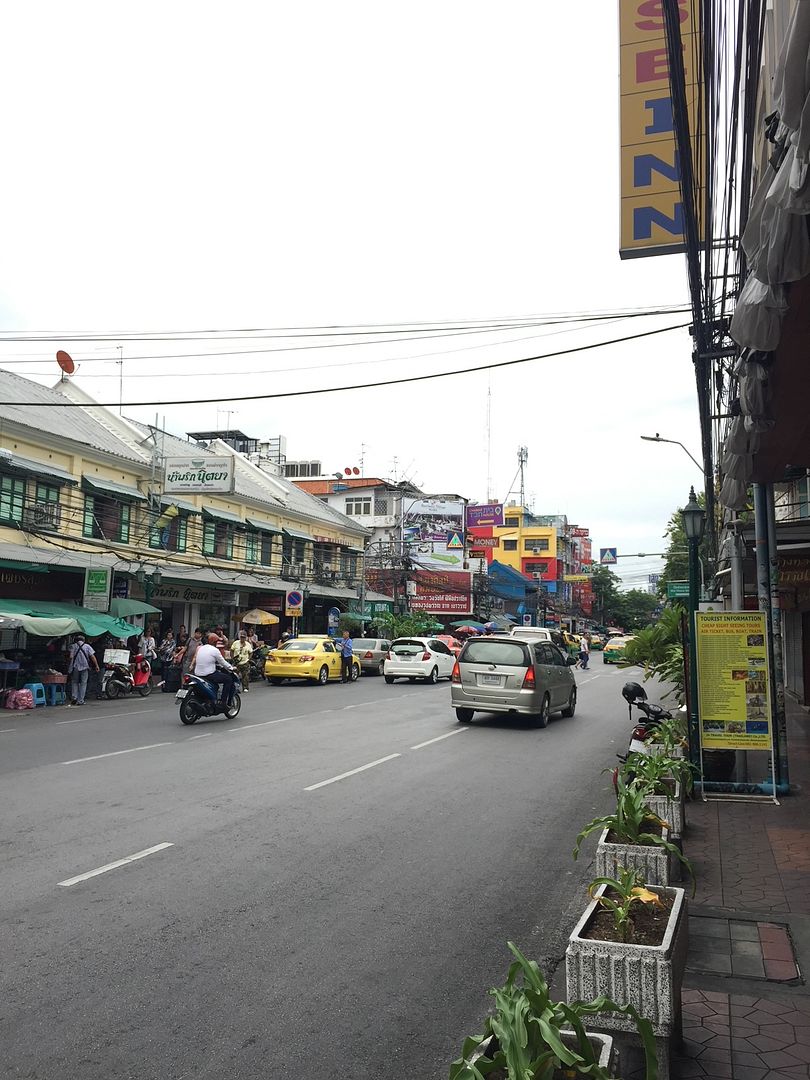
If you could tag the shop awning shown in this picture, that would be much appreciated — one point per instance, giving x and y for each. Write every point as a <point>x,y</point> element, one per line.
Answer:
<point>92,623</point>
<point>215,514</point>
<point>29,567</point>
<point>110,487</point>
<point>263,526</point>
<point>186,507</point>
<point>120,608</point>
<point>353,550</point>
<point>296,534</point>
<point>37,468</point>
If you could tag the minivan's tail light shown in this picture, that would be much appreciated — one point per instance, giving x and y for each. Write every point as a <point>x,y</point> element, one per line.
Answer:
<point>425,655</point>
<point>368,655</point>
<point>456,676</point>
<point>388,656</point>
<point>529,680</point>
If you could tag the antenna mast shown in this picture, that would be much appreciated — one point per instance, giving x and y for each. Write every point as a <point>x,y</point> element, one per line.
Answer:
<point>489,438</point>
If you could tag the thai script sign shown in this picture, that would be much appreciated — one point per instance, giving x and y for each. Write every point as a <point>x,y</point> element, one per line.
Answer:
<point>207,474</point>
<point>484,514</point>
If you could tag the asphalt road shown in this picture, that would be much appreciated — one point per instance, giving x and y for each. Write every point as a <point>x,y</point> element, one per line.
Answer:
<point>346,866</point>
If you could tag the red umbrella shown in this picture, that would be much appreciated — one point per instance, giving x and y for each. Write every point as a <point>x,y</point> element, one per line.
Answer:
<point>468,630</point>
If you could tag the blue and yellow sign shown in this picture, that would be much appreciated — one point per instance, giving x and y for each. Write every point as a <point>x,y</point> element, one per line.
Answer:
<point>652,218</point>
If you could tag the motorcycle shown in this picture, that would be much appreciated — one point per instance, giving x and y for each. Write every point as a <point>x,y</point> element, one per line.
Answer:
<point>197,697</point>
<point>636,696</point>
<point>118,679</point>
<point>256,667</point>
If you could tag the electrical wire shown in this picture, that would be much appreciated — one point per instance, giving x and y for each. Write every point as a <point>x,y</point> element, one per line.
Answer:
<point>355,386</point>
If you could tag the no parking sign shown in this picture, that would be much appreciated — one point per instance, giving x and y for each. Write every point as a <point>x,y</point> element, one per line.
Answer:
<point>294,606</point>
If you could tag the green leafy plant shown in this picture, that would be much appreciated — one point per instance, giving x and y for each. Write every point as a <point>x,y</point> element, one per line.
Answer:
<point>659,650</point>
<point>523,1036</point>
<point>631,822</point>
<point>653,771</point>
<point>630,891</point>
<point>670,735</point>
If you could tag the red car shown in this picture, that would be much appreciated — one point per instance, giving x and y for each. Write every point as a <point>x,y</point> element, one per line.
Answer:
<point>453,644</point>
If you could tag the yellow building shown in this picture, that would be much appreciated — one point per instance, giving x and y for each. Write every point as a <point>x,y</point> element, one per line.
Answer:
<point>81,489</point>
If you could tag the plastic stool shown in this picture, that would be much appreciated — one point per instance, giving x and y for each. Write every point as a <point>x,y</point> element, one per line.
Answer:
<point>38,690</point>
<point>54,693</point>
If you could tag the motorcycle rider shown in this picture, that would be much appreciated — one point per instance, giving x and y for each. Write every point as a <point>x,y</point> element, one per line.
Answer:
<point>210,664</point>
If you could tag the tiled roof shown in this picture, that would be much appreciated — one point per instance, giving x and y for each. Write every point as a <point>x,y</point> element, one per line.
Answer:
<point>327,487</point>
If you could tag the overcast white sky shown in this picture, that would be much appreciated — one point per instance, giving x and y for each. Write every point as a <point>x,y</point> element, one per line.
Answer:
<point>198,166</point>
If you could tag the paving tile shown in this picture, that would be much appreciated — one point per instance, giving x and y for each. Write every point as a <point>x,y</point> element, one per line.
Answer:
<point>766,1044</point>
<point>712,961</point>
<point>780,970</point>
<point>707,927</point>
<point>748,948</point>
<point>750,966</point>
<point>741,931</point>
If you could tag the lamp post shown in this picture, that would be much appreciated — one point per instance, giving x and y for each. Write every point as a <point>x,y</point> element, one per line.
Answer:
<point>674,442</point>
<point>694,522</point>
<point>149,581</point>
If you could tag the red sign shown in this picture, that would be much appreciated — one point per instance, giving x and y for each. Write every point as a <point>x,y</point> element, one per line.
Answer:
<point>485,541</point>
<point>576,531</point>
<point>442,592</point>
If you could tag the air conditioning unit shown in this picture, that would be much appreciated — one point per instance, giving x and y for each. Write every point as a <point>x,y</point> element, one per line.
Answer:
<point>302,570</point>
<point>537,577</point>
<point>41,515</point>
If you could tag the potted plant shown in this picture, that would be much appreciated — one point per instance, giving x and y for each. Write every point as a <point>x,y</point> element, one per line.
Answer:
<point>669,738</point>
<point>634,837</point>
<point>531,1037</point>
<point>665,781</point>
<point>630,945</point>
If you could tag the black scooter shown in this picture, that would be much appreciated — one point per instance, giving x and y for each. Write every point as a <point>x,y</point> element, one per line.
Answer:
<point>197,697</point>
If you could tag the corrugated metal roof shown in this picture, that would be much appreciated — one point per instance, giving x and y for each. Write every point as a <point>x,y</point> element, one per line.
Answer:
<point>78,425</point>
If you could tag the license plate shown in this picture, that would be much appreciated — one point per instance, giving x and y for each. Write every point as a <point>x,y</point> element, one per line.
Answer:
<point>180,695</point>
<point>405,659</point>
<point>490,680</point>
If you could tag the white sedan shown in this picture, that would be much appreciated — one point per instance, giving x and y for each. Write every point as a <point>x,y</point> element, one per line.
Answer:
<point>426,659</point>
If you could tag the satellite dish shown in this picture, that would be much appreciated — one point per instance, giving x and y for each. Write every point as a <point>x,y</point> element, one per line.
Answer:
<point>348,471</point>
<point>65,362</point>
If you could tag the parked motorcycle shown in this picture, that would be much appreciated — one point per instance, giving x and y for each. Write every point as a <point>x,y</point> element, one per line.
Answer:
<point>636,697</point>
<point>256,667</point>
<point>197,697</point>
<point>122,679</point>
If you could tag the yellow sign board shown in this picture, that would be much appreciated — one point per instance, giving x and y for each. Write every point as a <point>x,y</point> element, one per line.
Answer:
<point>576,577</point>
<point>652,218</point>
<point>733,680</point>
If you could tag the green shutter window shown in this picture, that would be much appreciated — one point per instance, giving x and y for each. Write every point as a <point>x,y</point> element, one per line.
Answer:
<point>251,547</point>
<point>123,522</point>
<point>209,537</point>
<point>154,537</point>
<point>89,523</point>
<point>228,543</point>
<point>182,533</point>
<point>12,498</point>
<point>46,493</point>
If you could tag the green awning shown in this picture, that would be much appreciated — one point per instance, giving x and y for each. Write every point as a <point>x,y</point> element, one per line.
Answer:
<point>216,514</point>
<point>263,526</point>
<point>93,623</point>
<point>296,534</point>
<point>38,468</point>
<point>121,607</point>
<point>29,567</point>
<point>110,487</point>
<point>187,508</point>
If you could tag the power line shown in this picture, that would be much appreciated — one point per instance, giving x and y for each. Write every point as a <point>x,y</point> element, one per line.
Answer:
<point>357,386</point>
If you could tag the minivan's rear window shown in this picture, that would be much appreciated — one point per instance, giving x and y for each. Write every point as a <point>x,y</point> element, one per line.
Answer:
<point>407,648</point>
<point>508,653</point>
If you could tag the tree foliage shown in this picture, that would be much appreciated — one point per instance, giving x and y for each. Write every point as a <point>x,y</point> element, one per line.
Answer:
<point>631,609</point>
<point>676,564</point>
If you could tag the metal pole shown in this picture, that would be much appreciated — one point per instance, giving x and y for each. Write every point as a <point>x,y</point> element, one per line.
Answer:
<point>735,561</point>
<point>781,770</point>
<point>694,717</point>
<point>764,597</point>
<point>363,593</point>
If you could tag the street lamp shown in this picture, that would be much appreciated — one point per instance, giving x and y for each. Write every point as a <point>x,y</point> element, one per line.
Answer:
<point>149,581</point>
<point>694,522</point>
<point>657,438</point>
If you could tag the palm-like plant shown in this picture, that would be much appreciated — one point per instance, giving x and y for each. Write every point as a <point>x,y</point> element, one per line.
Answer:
<point>523,1037</point>
<point>653,770</point>
<point>630,891</point>
<point>631,822</point>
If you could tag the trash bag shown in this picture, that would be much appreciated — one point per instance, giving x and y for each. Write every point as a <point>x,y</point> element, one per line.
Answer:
<point>757,322</point>
<point>753,388</point>
<point>734,493</point>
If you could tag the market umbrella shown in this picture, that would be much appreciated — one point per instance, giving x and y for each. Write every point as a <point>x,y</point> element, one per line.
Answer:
<point>259,617</point>
<point>120,607</point>
<point>470,628</point>
<point>467,624</point>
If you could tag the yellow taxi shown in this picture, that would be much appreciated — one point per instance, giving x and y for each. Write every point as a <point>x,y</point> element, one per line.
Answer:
<point>597,642</point>
<point>571,643</point>
<point>613,652</point>
<point>312,657</point>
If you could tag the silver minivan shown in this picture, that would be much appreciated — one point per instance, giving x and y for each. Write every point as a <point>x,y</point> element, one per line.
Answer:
<point>510,675</point>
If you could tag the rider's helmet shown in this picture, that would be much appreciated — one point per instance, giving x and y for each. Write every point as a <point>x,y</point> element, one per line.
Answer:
<point>633,692</point>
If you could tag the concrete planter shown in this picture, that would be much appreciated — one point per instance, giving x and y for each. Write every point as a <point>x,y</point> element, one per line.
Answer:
<point>669,807</point>
<point>649,977</point>
<point>605,1044</point>
<point>652,862</point>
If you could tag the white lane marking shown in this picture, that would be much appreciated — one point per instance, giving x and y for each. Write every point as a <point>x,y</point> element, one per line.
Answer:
<point>439,738</point>
<point>80,720</point>
<point>115,753</point>
<point>113,865</point>
<point>4,730</point>
<point>352,772</point>
<point>110,716</point>
<point>581,682</point>
<point>207,735</point>
<point>264,723</point>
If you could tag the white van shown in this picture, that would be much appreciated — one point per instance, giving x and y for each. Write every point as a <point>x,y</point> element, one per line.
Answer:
<point>535,633</point>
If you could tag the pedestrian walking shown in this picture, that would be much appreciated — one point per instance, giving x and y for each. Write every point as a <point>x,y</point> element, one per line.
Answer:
<point>241,652</point>
<point>148,646</point>
<point>584,652</point>
<point>192,645</point>
<point>82,658</point>
<point>166,654</point>
<point>346,648</point>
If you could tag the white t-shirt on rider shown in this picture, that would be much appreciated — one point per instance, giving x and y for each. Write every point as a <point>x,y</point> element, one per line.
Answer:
<point>207,659</point>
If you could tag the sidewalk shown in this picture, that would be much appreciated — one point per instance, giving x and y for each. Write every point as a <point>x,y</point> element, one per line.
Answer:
<point>746,1007</point>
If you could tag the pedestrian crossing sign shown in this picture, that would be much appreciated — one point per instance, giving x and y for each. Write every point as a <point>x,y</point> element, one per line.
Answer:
<point>608,556</point>
<point>455,541</point>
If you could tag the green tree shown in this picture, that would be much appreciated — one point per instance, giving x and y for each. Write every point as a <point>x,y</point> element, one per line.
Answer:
<point>634,608</point>
<point>411,624</point>
<point>676,564</point>
<point>605,587</point>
